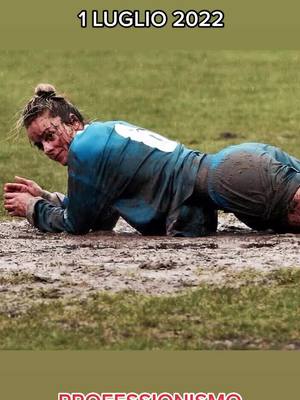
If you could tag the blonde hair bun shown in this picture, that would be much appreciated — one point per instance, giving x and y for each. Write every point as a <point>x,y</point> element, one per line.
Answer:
<point>45,90</point>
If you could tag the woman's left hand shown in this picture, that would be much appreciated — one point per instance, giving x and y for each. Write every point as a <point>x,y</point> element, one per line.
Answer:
<point>16,203</point>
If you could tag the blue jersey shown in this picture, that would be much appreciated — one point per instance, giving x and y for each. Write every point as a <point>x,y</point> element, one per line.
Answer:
<point>115,168</point>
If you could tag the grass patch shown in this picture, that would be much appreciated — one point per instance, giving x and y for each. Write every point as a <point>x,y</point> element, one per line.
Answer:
<point>285,277</point>
<point>248,317</point>
<point>16,278</point>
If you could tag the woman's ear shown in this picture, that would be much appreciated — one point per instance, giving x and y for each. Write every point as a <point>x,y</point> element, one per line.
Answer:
<point>74,121</point>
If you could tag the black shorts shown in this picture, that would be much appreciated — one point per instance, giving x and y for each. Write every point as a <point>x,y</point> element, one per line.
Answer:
<point>253,185</point>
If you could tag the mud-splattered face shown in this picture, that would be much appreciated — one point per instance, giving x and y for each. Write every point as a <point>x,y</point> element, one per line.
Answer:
<point>52,136</point>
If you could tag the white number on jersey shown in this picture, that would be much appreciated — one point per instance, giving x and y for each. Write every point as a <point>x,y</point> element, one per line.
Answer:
<point>149,138</point>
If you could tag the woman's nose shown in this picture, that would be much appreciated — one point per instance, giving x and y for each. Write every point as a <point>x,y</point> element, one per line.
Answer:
<point>48,147</point>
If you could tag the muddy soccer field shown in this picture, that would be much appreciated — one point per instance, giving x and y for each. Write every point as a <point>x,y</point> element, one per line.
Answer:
<point>39,267</point>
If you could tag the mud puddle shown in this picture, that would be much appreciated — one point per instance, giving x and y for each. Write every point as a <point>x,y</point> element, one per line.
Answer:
<point>37,267</point>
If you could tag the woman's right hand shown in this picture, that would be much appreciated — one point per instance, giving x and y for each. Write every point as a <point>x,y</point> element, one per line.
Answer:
<point>23,185</point>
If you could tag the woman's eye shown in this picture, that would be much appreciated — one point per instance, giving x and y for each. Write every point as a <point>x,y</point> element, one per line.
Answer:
<point>49,136</point>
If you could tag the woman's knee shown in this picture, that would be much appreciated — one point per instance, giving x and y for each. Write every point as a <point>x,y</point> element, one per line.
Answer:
<point>294,211</point>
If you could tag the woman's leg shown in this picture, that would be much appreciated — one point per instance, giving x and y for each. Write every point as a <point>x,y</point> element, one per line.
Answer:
<point>293,216</point>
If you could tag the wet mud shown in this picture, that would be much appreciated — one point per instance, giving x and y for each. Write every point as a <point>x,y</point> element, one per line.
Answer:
<point>37,267</point>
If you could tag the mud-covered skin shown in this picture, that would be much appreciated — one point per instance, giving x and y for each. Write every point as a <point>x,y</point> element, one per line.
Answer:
<point>41,267</point>
<point>294,211</point>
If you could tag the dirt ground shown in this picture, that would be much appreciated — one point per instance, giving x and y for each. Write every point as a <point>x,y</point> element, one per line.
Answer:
<point>36,267</point>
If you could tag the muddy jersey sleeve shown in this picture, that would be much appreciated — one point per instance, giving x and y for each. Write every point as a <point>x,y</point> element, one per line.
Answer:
<point>82,213</point>
<point>55,198</point>
<point>50,218</point>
